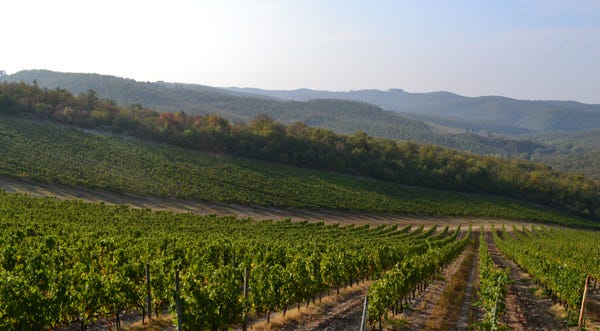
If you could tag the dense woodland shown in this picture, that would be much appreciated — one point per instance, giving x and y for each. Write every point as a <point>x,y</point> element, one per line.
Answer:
<point>299,145</point>
<point>571,151</point>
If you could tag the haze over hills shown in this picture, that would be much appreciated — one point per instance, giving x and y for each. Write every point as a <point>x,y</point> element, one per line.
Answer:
<point>345,116</point>
<point>494,114</point>
<point>491,113</point>
<point>437,118</point>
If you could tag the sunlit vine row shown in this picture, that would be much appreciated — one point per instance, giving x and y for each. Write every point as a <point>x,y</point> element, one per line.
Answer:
<point>559,260</point>
<point>64,262</point>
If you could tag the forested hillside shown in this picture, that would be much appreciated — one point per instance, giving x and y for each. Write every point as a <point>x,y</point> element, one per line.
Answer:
<point>337,115</point>
<point>571,151</point>
<point>491,113</point>
<point>299,145</point>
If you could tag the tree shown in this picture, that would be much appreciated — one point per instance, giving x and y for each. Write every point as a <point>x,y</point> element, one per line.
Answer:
<point>2,73</point>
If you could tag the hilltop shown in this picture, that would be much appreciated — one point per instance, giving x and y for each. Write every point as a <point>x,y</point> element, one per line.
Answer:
<point>495,114</point>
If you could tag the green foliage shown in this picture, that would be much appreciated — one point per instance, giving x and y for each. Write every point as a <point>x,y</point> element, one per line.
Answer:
<point>559,260</point>
<point>319,110</point>
<point>66,261</point>
<point>479,116</point>
<point>49,153</point>
<point>571,151</point>
<point>417,271</point>
<point>493,283</point>
<point>299,145</point>
<point>490,113</point>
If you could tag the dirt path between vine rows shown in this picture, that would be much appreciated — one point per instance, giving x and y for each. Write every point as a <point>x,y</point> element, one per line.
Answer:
<point>341,311</point>
<point>524,309</point>
<point>345,315</point>
<point>469,313</point>
<point>424,305</point>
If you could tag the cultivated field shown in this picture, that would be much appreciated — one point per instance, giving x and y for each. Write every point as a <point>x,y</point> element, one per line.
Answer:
<point>444,300</point>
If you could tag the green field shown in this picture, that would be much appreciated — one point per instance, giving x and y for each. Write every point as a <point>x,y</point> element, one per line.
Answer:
<point>56,154</point>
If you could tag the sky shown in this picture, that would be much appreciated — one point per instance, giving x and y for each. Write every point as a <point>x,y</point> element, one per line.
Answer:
<point>525,49</point>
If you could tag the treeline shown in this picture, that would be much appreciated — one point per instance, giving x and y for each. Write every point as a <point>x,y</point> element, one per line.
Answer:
<point>299,145</point>
<point>341,116</point>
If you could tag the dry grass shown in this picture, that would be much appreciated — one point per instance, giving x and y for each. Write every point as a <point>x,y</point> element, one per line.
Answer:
<point>300,316</point>
<point>447,310</point>
<point>156,324</point>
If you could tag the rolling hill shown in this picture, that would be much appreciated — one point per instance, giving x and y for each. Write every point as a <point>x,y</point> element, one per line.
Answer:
<point>303,146</point>
<point>342,116</point>
<point>570,151</point>
<point>441,118</point>
<point>491,113</point>
<point>53,153</point>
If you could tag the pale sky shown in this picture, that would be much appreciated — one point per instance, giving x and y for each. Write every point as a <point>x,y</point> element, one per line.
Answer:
<point>526,49</point>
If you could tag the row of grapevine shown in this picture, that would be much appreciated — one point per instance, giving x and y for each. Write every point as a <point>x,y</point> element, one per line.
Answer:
<point>493,282</point>
<point>413,274</point>
<point>559,260</point>
<point>64,262</point>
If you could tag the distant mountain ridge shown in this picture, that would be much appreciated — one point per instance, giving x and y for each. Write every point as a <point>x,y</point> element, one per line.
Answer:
<point>490,113</point>
<point>493,114</point>
<point>389,100</point>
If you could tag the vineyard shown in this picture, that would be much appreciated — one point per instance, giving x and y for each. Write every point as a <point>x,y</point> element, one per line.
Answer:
<point>493,283</point>
<point>558,260</point>
<point>69,261</point>
<point>53,154</point>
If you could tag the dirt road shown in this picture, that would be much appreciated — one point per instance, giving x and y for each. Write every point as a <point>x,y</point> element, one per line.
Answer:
<point>255,212</point>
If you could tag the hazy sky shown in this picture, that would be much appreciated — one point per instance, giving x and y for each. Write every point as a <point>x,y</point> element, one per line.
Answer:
<point>527,49</point>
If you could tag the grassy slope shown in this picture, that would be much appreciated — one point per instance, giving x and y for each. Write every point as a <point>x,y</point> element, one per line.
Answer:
<point>50,153</point>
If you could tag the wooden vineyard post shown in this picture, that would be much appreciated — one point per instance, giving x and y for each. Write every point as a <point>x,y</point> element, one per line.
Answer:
<point>178,301</point>
<point>148,293</point>
<point>582,310</point>
<point>246,279</point>
<point>363,321</point>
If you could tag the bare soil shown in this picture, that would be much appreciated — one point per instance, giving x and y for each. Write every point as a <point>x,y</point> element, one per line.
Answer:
<point>334,312</point>
<point>344,315</point>
<point>469,313</point>
<point>423,307</point>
